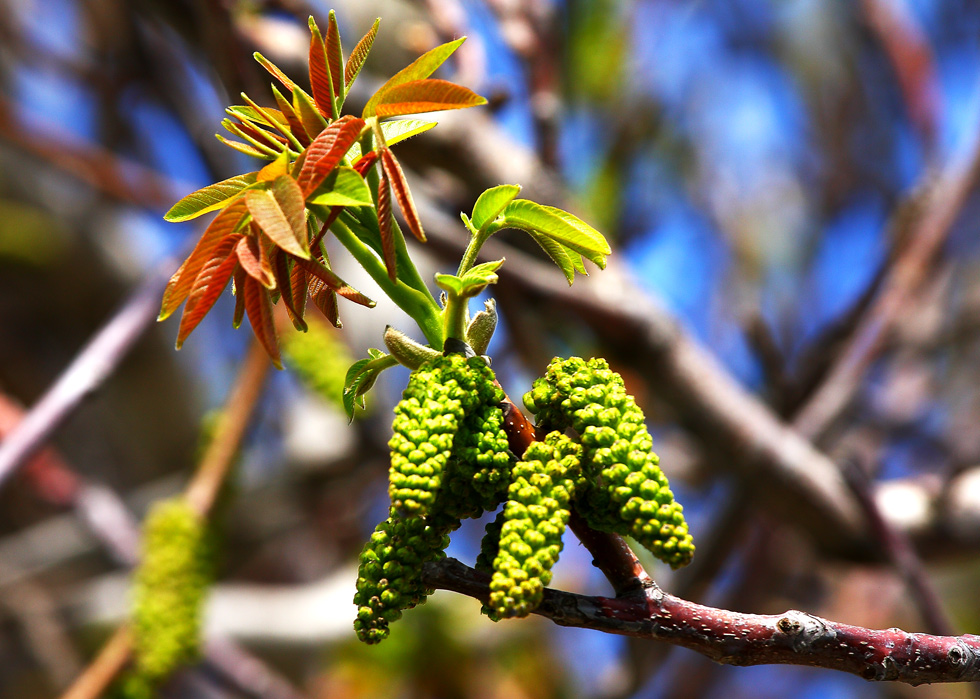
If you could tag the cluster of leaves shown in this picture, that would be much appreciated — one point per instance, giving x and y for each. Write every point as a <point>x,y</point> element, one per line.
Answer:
<point>624,491</point>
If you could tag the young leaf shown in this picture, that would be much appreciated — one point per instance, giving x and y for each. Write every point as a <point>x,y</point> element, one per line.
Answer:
<point>321,80</point>
<point>335,60</point>
<point>402,193</point>
<point>328,277</point>
<point>384,225</point>
<point>292,118</point>
<point>208,285</point>
<point>238,285</point>
<point>492,202</point>
<point>245,148</point>
<point>327,151</point>
<point>422,67</point>
<point>212,197</point>
<point>260,116</point>
<point>281,214</point>
<point>342,187</point>
<point>312,120</point>
<point>561,226</point>
<point>361,377</point>
<point>292,288</point>
<point>474,281</point>
<point>253,260</point>
<point>395,131</point>
<point>274,71</point>
<point>258,307</point>
<point>365,162</point>
<point>279,166</point>
<point>265,142</point>
<point>360,53</point>
<point>325,299</point>
<point>224,224</point>
<point>559,254</point>
<point>425,96</point>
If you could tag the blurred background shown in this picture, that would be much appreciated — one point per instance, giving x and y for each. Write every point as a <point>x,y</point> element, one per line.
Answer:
<point>788,189</point>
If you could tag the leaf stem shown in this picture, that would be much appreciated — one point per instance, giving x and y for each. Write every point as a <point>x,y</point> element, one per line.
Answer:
<point>477,239</point>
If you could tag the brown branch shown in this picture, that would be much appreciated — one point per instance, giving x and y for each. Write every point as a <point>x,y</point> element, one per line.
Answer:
<point>111,660</point>
<point>734,638</point>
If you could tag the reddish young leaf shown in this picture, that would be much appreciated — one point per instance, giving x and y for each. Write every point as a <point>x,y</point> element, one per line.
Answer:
<point>183,279</point>
<point>331,217</point>
<point>335,59</point>
<point>258,307</point>
<point>293,288</point>
<point>384,225</point>
<point>238,279</point>
<point>325,299</point>
<point>281,214</point>
<point>254,261</point>
<point>328,277</point>
<point>210,282</point>
<point>274,71</point>
<point>327,150</point>
<point>428,95</point>
<point>360,53</point>
<point>422,67</point>
<point>365,162</point>
<point>404,196</point>
<point>279,166</point>
<point>292,118</point>
<point>321,80</point>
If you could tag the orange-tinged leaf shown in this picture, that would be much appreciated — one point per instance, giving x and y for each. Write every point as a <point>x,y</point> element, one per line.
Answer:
<point>279,166</point>
<point>327,151</point>
<point>312,120</point>
<point>292,284</point>
<point>402,194</point>
<point>360,53</point>
<point>325,299</point>
<point>384,225</point>
<point>254,261</point>
<point>281,214</point>
<point>335,59</point>
<point>292,118</point>
<point>329,277</point>
<point>258,307</point>
<point>365,162</point>
<point>422,67</point>
<point>208,285</point>
<point>429,95</point>
<point>274,71</point>
<point>181,282</point>
<point>321,81</point>
<point>214,196</point>
<point>238,284</point>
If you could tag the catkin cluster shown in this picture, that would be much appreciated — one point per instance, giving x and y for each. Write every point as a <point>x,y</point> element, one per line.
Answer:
<point>624,489</point>
<point>449,461</point>
<point>169,591</point>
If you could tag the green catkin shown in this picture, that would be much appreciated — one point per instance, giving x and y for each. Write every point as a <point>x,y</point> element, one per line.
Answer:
<point>320,360</point>
<point>535,517</point>
<point>389,578</point>
<point>627,493</point>
<point>169,590</point>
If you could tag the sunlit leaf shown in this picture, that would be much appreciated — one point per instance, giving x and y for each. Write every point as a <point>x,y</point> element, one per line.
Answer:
<point>214,196</point>
<point>395,131</point>
<point>210,281</point>
<point>360,53</point>
<point>569,230</point>
<point>429,95</point>
<point>274,71</point>
<point>245,148</point>
<point>285,283</point>
<point>312,120</point>
<point>253,260</point>
<point>343,187</point>
<point>321,81</point>
<point>292,118</point>
<point>327,151</point>
<point>492,202</point>
<point>559,254</point>
<point>258,307</point>
<point>473,282</point>
<point>403,194</point>
<point>330,278</point>
<point>281,214</point>
<point>279,166</point>
<point>365,162</point>
<point>362,376</point>
<point>325,299</point>
<point>224,224</point>
<point>422,67</point>
<point>384,225</point>
<point>335,59</point>
<point>267,143</point>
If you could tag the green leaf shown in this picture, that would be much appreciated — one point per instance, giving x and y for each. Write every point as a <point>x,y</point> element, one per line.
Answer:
<point>561,226</point>
<point>361,377</point>
<point>214,196</point>
<point>312,120</point>
<point>245,148</point>
<point>395,131</point>
<point>360,53</point>
<point>559,254</point>
<point>429,95</point>
<point>343,187</point>
<point>281,214</point>
<point>422,67</point>
<point>472,282</point>
<point>492,202</point>
<point>265,116</point>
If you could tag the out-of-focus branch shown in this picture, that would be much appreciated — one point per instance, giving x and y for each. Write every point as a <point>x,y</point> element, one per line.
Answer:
<point>734,638</point>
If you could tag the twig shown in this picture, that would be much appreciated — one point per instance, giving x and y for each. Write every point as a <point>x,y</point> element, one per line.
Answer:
<point>734,638</point>
<point>90,368</point>
<point>111,660</point>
